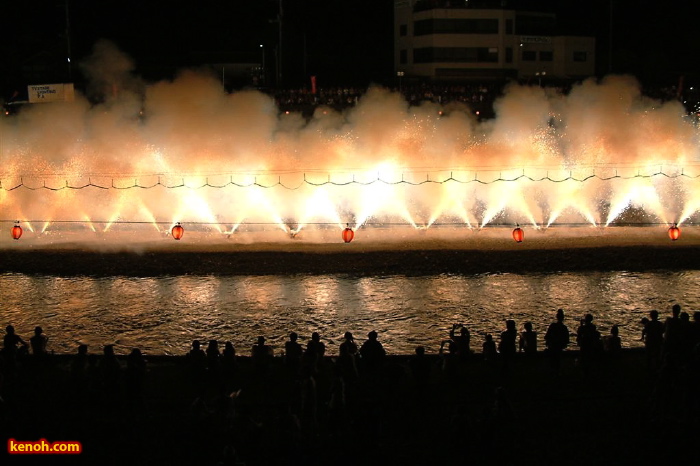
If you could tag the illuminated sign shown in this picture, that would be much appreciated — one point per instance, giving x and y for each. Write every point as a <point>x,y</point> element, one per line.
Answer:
<point>39,93</point>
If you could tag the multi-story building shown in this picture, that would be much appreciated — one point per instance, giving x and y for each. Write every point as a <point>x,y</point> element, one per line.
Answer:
<point>443,40</point>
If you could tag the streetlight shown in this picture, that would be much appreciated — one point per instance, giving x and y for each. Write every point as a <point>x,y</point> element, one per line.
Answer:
<point>539,75</point>
<point>262,66</point>
<point>400,75</point>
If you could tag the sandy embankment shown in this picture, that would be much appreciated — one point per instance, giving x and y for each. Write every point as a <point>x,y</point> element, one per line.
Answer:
<point>373,251</point>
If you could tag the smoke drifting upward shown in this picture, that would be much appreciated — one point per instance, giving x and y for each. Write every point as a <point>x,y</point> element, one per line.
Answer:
<point>600,153</point>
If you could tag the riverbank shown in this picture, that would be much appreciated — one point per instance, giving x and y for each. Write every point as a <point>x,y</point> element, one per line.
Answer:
<point>620,413</point>
<point>373,252</point>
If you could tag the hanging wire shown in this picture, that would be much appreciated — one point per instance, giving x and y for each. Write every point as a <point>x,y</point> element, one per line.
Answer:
<point>329,182</point>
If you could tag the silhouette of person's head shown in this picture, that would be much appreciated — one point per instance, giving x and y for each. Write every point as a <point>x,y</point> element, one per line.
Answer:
<point>261,341</point>
<point>464,331</point>
<point>228,346</point>
<point>82,349</point>
<point>654,314</point>
<point>293,336</point>
<point>488,337</point>
<point>685,317</point>
<point>696,316</point>
<point>135,353</point>
<point>108,350</point>
<point>38,331</point>
<point>348,336</point>
<point>213,345</point>
<point>588,318</point>
<point>315,337</point>
<point>372,335</point>
<point>510,324</point>
<point>676,310</point>
<point>614,330</point>
<point>196,345</point>
<point>420,351</point>
<point>528,326</point>
<point>560,315</point>
<point>10,330</point>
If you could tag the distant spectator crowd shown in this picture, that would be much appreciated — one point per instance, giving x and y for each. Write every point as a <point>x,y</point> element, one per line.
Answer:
<point>345,97</point>
<point>671,341</point>
<point>320,392</point>
<point>479,96</point>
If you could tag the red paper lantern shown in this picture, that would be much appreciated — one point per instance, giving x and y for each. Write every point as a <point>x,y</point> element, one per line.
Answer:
<point>177,231</point>
<point>348,234</point>
<point>518,235</point>
<point>674,232</point>
<point>16,231</point>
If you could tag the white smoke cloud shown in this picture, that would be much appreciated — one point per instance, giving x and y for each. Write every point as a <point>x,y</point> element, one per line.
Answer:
<point>190,131</point>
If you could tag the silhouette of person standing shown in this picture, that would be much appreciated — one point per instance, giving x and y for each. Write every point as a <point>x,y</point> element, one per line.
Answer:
<point>348,346</point>
<point>556,340</point>
<point>673,336</point>
<point>10,342</point>
<point>38,342</point>
<point>653,339</point>
<point>419,365</point>
<point>79,380</point>
<point>462,342</point>
<point>292,354</point>
<point>214,377</point>
<point>315,350</point>
<point>528,340</point>
<point>261,355</point>
<point>347,360</point>
<point>372,353</point>
<point>488,349</point>
<point>612,344</point>
<point>588,340</point>
<point>229,367</point>
<point>197,366</point>
<point>135,377</point>
<point>506,345</point>
<point>111,372</point>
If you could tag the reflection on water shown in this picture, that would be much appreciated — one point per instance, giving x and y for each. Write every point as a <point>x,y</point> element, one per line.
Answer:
<point>162,315</point>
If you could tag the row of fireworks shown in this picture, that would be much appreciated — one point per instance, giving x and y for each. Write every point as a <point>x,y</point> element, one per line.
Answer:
<point>348,234</point>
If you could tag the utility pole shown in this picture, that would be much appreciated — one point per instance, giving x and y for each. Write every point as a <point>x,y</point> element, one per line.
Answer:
<point>68,45</point>
<point>278,49</point>
<point>279,54</point>
<point>610,40</point>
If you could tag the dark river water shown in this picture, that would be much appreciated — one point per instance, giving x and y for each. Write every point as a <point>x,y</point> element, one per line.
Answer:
<point>162,315</point>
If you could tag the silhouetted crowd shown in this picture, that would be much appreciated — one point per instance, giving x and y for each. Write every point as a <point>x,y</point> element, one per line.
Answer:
<point>477,96</point>
<point>345,97</point>
<point>285,404</point>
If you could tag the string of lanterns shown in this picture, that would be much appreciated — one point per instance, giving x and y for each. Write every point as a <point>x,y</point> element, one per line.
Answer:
<point>305,181</point>
<point>348,234</point>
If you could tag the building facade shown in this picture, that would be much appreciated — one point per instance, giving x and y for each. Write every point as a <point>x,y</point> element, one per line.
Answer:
<point>448,40</point>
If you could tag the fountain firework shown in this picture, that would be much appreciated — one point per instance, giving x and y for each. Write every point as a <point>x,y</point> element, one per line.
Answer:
<point>186,151</point>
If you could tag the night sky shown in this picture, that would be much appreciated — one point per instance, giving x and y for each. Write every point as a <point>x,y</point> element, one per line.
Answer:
<point>342,42</point>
